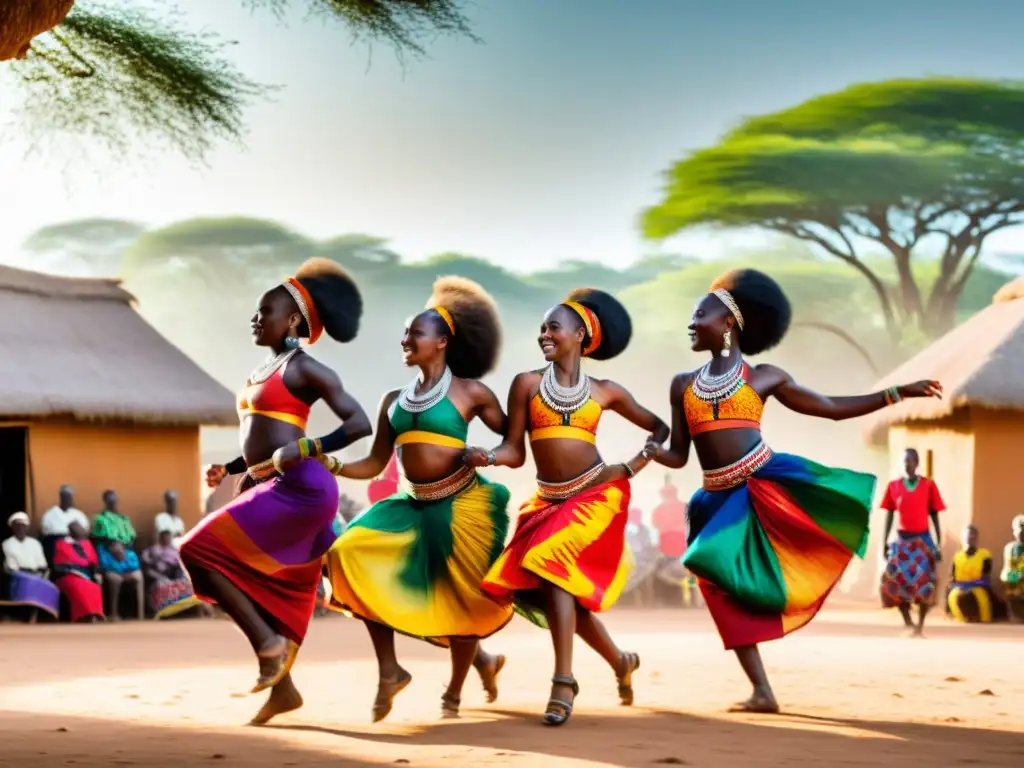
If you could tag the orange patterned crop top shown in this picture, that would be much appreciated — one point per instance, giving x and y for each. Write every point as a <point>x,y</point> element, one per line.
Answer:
<point>545,423</point>
<point>741,411</point>
<point>272,399</point>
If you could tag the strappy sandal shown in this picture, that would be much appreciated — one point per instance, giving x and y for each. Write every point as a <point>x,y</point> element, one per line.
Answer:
<point>559,711</point>
<point>287,660</point>
<point>450,705</point>
<point>630,664</point>
<point>490,679</point>
<point>386,692</point>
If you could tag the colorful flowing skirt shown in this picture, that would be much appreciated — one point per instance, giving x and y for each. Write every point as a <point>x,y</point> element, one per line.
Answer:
<point>909,577</point>
<point>768,550</point>
<point>414,563</point>
<point>269,542</point>
<point>27,589</point>
<point>577,544</point>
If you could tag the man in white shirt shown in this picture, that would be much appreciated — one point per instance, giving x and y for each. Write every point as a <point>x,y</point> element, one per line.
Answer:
<point>55,522</point>
<point>169,520</point>
<point>21,551</point>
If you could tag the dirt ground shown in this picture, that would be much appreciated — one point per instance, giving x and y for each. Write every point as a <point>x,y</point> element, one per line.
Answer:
<point>854,691</point>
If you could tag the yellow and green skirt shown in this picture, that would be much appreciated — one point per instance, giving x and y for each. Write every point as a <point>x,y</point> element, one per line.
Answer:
<point>414,561</point>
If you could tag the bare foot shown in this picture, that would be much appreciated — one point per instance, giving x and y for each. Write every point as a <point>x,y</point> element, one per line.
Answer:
<point>489,672</point>
<point>387,689</point>
<point>762,702</point>
<point>284,697</point>
<point>450,706</point>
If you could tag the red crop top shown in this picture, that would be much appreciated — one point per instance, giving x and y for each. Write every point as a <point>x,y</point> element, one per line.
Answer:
<point>272,399</point>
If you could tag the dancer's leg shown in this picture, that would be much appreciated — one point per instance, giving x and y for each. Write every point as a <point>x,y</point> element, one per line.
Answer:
<point>762,700</point>
<point>561,616</point>
<point>392,678</point>
<point>463,653</point>
<point>593,632</point>
<point>284,697</point>
<point>488,666</point>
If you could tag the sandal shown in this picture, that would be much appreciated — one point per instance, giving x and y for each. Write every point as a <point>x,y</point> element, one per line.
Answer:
<point>490,679</point>
<point>630,664</point>
<point>287,660</point>
<point>450,705</point>
<point>386,692</point>
<point>559,711</point>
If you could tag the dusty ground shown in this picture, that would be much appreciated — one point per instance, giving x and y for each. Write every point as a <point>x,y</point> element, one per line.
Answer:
<point>170,694</point>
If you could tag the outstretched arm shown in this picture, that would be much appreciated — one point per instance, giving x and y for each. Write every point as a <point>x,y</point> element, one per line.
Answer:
<point>380,453</point>
<point>810,403</point>
<point>678,452</point>
<point>512,451</point>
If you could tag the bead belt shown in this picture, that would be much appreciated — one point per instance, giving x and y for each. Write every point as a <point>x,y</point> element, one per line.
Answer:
<point>458,481</point>
<point>735,474</point>
<point>568,489</point>
<point>262,471</point>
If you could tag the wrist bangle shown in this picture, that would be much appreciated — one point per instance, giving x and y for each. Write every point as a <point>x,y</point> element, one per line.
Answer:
<point>492,458</point>
<point>629,470</point>
<point>309,447</point>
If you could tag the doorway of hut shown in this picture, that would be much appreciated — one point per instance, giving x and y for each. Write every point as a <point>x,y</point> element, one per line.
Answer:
<point>13,474</point>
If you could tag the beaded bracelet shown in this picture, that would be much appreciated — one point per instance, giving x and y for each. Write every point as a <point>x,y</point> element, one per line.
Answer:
<point>309,447</point>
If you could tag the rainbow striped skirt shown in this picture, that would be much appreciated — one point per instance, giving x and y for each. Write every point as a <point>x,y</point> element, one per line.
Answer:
<point>769,542</point>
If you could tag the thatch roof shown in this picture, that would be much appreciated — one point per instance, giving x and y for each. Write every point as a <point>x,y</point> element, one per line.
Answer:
<point>77,348</point>
<point>980,364</point>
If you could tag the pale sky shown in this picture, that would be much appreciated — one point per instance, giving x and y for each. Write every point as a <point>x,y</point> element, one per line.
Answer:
<point>542,143</point>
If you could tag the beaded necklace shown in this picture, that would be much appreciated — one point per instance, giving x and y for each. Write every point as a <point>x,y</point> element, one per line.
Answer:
<point>414,403</point>
<point>269,367</point>
<point>714,389</point>
<point>563,399</point>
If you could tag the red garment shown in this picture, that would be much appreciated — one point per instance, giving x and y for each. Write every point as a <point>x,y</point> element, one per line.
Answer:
<point>385,485</point>
<point>913,507</point>
<point>669,520</point>
<point>74,563</point>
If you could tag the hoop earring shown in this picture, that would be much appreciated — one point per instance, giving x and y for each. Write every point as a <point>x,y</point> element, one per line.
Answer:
<point>726,343</point>
<point>291,342</point>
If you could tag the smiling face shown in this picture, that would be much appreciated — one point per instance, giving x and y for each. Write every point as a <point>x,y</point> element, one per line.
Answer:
<point>424,340</point>
<point>711,319</point>
<point>276,317</point>
<point>561,333</point>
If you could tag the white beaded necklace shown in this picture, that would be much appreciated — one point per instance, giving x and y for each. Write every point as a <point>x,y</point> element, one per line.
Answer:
<point>414,403</point>
<point>713,389</point>
<point>563,399</point>
<point>267,368</point>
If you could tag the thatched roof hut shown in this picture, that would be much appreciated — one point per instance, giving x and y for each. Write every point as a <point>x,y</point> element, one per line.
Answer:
<point>95,397</point>
<point>980,364</point>
<point>76,348</point>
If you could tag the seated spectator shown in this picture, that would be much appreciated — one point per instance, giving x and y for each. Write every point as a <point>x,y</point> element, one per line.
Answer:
<point>56,520</point>
<point>169,520</point>
<point>969,598</point>
<point>115,535</point>
<point>25,584</point>
<point>76,571</point>
<point>1012,574</point>
<point>168,587</point>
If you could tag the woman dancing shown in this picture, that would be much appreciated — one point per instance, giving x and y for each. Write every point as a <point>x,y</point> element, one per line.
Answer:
<point>413,562</point>
<point>567,558</point>
<point>259,557</point>
<point>769,534</point>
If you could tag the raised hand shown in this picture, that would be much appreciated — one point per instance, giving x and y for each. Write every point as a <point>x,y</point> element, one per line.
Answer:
<point>926,388</point>
<point>215,474</point>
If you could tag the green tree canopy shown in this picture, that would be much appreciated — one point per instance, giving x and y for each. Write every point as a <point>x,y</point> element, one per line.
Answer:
<point>124,75</point>
<point>902,166</point>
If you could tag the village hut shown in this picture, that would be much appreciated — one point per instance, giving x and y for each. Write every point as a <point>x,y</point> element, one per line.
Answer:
<point>972,440</point>
<point>93,396</point>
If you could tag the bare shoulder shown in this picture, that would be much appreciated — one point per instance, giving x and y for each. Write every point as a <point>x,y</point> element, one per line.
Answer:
<point>526,380</point>
<point>475,389</point>
<point>681,381</point>
<point>389,398</point>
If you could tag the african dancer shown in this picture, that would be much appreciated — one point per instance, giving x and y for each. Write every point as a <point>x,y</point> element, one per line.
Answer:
<point>413,562</point>
<point>770,534</point>
<point>909,578</point>
<point>259,557</point>
<point>567,558</point>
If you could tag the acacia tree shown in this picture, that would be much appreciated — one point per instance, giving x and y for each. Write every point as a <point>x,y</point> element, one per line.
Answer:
<point>902,164</point>
<point>123,74</point>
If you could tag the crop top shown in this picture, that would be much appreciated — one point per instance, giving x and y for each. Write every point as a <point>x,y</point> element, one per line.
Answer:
<point>441,424</point>
<point>741,411</point>
<point>272,399</point>
<point>546,423</point>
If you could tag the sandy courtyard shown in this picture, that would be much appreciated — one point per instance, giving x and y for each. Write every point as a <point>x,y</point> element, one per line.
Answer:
<point>171,694</point>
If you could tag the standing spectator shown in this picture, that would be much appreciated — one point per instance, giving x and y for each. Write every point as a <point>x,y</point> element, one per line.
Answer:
<point>909,578</point>
<point>25,571</point>
<point>115,538</point>
<point>169,521</point>
<point>56,522</point>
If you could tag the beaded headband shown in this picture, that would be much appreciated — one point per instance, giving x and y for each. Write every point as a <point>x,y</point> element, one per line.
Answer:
<point>590,322</point>
<point>726,298</point>
<point>306,307</point>
<point>447,317</point>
